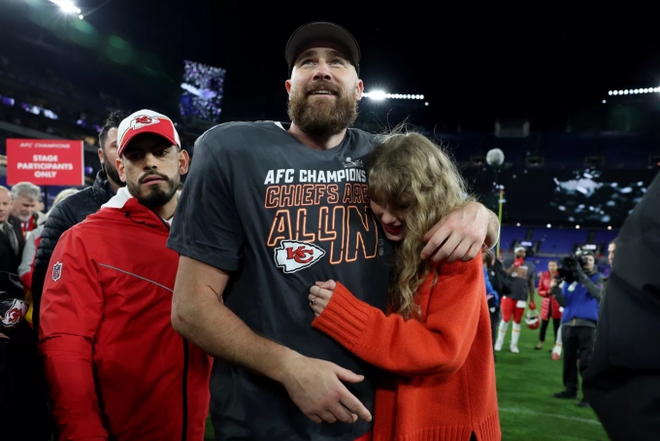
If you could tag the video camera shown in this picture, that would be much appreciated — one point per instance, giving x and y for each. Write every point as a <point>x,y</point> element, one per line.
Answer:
<point>570,266</point>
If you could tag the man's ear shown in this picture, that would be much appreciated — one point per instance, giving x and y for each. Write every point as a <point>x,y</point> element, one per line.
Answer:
<point>184,162</point>
<point>359,89</point>
<point>121,170</point>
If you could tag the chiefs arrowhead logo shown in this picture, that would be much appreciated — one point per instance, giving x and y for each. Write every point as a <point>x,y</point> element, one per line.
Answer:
<point>143,120</point>
<point>14,313</point>
<point>293,256</point>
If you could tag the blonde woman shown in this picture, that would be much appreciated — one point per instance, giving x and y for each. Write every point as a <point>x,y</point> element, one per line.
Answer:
<point>434,342</point>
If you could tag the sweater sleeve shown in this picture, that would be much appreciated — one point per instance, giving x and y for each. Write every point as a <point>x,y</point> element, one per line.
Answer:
<point>71,312</point>
<point>410,347</point>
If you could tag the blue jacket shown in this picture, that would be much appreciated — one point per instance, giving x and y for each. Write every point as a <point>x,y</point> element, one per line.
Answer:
<point>489,287</point>
<point>580,303</point>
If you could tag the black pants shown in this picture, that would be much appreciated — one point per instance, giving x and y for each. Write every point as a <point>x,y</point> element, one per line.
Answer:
<point>544,328</point>
<point>495,318</point>
<point>24,414</point>
<point>578,344</point>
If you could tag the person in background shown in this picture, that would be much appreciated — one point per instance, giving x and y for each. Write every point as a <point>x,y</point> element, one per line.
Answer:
<point>77,207</point>
<point>115,367</point>
<point>23,400</point>
<point>513,306</point>
<point>550,309</point>
<point>25,199</point>
<point>11,236</point>
<point>611,248</point>
<point>579,293</point>
<point>26,267</point>
<point>492,296</point>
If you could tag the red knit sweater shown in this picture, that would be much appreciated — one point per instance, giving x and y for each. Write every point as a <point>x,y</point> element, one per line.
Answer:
<point>440,383</point>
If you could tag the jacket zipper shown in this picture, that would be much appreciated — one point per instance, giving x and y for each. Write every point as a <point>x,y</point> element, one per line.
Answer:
<point>184,384</point>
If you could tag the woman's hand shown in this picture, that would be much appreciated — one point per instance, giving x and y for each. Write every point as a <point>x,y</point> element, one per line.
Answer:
<point>320,295</point>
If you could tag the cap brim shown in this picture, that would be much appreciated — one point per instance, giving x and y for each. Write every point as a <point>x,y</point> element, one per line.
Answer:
<point>127,141</point>
<point>322,32</point>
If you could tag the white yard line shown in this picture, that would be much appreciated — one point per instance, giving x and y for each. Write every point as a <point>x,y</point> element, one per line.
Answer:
<point>550,415</point>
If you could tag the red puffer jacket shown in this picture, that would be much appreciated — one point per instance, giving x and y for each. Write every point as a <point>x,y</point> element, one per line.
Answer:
<point>549,303</point>
<point>115,367</point>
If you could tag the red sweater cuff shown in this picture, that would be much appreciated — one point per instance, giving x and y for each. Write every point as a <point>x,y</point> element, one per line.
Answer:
<point>345,318</point>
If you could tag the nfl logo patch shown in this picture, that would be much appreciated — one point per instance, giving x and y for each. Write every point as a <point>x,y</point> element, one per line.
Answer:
<point>57,271</point>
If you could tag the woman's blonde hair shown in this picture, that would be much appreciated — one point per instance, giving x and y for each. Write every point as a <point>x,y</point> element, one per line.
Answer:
<point>409,171</point>
<point>60,197</point>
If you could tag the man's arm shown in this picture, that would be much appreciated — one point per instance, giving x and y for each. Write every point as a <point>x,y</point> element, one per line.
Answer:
<point>60,219</point>
<point>72,309</point>
<point>595,289</point>
<point>198,314</point>
<point>461,234</point>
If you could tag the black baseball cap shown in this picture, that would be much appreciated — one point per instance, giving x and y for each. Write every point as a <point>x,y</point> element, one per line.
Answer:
<point>322,31</point>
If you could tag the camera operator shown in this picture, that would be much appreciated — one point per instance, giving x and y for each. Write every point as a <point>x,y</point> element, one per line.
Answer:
<point>578,288</point>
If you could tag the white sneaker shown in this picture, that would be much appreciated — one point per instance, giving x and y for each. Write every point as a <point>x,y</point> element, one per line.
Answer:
<point>514,349</point>
<point>498,345</point>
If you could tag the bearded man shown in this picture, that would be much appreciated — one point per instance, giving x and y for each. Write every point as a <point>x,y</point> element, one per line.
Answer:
<point>268,209</point>
<point>115,368</point>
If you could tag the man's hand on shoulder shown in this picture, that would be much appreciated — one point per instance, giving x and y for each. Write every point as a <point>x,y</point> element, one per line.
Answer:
<point>461,234</point>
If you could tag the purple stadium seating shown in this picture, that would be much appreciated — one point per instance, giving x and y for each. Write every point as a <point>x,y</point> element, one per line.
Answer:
<point>509,234</point>
<point>558,240</point>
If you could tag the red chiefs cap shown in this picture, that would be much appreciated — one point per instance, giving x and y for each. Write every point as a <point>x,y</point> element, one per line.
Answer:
<point>145,121</point>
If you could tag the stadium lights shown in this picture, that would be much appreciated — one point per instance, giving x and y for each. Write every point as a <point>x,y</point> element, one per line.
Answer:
<point>380,95</point>
<point>634,91</point>
<point>68,7</point>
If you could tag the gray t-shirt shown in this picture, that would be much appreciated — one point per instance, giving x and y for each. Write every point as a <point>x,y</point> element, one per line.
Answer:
<point>280,216</point>
<point>520,286</point>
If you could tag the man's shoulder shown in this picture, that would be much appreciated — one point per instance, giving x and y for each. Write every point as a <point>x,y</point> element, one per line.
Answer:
<point>368,135</point>
<point>69,205</point>
<point>14,221</point>
<point>238,129</point>
<point>97,226</point>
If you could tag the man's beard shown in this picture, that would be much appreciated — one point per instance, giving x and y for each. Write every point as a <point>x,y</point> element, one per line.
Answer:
<point>325,119</point>
<point>155,197</point>
<point>110,171</point>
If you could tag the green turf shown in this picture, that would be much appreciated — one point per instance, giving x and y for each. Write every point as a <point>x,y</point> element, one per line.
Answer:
<point>525,384</point>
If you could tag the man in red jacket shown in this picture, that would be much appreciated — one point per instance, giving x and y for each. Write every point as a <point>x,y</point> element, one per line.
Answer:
<point>116,369</point>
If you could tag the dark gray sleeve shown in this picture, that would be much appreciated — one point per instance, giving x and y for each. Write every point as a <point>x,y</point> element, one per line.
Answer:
<point>559,295</point>
<point>595,289</point>
<point>206,226</point>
